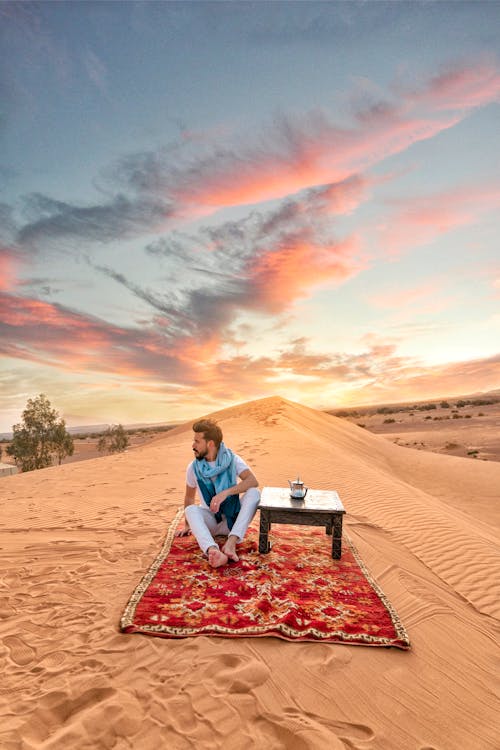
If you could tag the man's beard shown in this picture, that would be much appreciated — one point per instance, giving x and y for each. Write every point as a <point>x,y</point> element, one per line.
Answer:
<point>200,456</point>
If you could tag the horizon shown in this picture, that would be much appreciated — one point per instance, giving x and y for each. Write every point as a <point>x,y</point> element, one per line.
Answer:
<point>204,203</point>
<point>95,426</point>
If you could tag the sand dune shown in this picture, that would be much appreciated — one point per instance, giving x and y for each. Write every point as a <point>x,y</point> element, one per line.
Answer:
<point>75,540</point>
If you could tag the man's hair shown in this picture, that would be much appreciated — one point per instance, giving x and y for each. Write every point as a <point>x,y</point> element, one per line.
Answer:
<point>210,430</point>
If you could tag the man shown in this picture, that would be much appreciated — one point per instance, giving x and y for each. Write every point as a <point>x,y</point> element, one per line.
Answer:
<point>227,506</point>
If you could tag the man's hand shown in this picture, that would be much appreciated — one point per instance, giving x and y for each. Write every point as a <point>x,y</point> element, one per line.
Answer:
<point>183,532</point>
<point>217,501</point>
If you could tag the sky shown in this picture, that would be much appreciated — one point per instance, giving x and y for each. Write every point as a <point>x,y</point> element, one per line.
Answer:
<point>205,203</point>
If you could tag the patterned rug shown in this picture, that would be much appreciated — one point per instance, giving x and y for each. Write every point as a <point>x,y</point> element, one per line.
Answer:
<point>296,592</point>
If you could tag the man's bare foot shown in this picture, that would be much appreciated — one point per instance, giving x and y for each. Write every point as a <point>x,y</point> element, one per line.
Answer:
<point>216,558</point>
<point>229,549</point>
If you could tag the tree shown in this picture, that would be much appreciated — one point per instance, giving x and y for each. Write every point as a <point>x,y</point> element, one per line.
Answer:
<point>114,440</point>
<point>40,436</point>
<point>63,442</point>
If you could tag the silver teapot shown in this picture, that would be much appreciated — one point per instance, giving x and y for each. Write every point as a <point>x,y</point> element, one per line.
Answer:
<point>297,489</point>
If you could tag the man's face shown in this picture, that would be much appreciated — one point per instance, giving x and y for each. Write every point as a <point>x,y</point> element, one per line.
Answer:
<point>200,446</point>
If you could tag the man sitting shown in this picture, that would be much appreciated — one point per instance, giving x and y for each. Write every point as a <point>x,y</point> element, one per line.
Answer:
<point>227,506</point>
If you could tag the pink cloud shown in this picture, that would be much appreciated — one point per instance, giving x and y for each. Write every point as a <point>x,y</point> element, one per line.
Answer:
<point>51,334</point>
<point>464,87</point>
<point>419,381</point>
<point>298,265</point>
<point>9,263</point>
<point>313,150</point>
<point>419,220</point>
<point>427,297</point>
<point>318,153</point>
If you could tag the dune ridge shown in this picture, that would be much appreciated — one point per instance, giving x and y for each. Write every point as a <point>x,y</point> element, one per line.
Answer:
<point>75,539</point>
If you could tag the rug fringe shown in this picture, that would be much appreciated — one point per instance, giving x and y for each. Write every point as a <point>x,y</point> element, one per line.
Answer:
<point>398,625</point>
<point>127,619</point>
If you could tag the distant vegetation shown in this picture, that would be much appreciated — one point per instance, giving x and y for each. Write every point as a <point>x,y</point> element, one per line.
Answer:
<point>41,437</point>
<point>403,408</point>
<point>114,440</point>
<point>129,431</point>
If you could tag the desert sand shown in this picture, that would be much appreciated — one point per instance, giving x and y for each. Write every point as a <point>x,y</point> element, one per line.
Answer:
<point>76,539</point>
<point>471,429</point>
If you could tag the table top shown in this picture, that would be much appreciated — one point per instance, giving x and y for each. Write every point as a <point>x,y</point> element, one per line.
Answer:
<point>319,501</point>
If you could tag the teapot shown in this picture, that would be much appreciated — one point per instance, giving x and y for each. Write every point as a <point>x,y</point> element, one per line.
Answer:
<point>297,488</point>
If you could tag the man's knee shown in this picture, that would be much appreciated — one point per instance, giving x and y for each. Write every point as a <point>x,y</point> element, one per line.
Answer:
<point>191,511</point>
<point>251,496</point>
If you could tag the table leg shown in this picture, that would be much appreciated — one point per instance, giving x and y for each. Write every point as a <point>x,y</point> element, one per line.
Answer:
<point>264,527</point>
<point>337,536</point>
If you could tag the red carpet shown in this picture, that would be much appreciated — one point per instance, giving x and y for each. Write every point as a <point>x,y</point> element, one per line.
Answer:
<point>296,592</point>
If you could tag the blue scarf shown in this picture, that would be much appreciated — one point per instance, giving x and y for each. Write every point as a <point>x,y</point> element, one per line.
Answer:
<point>214,479</point>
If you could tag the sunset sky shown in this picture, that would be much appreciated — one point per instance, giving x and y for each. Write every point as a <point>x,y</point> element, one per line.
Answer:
<point>207,203</point>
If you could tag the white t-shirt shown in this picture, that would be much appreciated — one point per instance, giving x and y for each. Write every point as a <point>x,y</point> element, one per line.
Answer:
<point>191,480</point>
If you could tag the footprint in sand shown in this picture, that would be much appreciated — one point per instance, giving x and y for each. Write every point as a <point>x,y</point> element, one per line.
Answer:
<point>53,662</point>
<point>108,555</point>
<point>311,732</point>
<point>19,651</point>
<point>5,609</point>
<point>236,674</point>
<point>323,657</point>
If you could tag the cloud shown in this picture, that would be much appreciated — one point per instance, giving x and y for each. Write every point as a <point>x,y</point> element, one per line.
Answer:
<point>151,362</point>
<point>420,381</point>
<point>55,335</point>
<point>311,150</point>
<point>461,87</point>
<point>192,178</point>
<point>293,155</point>
<point>418,299</point>
<point>374,375</point>
<point>11,261</point>
<point>419,220</point>
<point>118,219</point>
<point>296,266</point>
<point>262,263</point>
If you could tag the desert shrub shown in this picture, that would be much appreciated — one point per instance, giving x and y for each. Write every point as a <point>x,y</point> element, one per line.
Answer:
<point>361,424</point>
<point>480,414</point>
<point>114,440</point>
<point>40,437</point>
<point>451,446</point>
<point>389,421</point>
<point>444,405</point>
<point>473,452</point>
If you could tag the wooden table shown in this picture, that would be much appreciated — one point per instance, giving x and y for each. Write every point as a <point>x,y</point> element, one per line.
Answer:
<point>318,508</point>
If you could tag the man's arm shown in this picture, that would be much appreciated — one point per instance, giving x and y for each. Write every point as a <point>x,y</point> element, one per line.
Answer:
<point>248,479</point>
<point>189,498</point>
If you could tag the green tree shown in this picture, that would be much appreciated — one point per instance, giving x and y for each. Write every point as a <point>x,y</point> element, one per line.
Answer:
<point>40,436</point>
<point>114,440</point>
<point>63,442</point>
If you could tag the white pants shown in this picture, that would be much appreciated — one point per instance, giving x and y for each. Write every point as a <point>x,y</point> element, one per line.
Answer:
<point>204,525</point>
